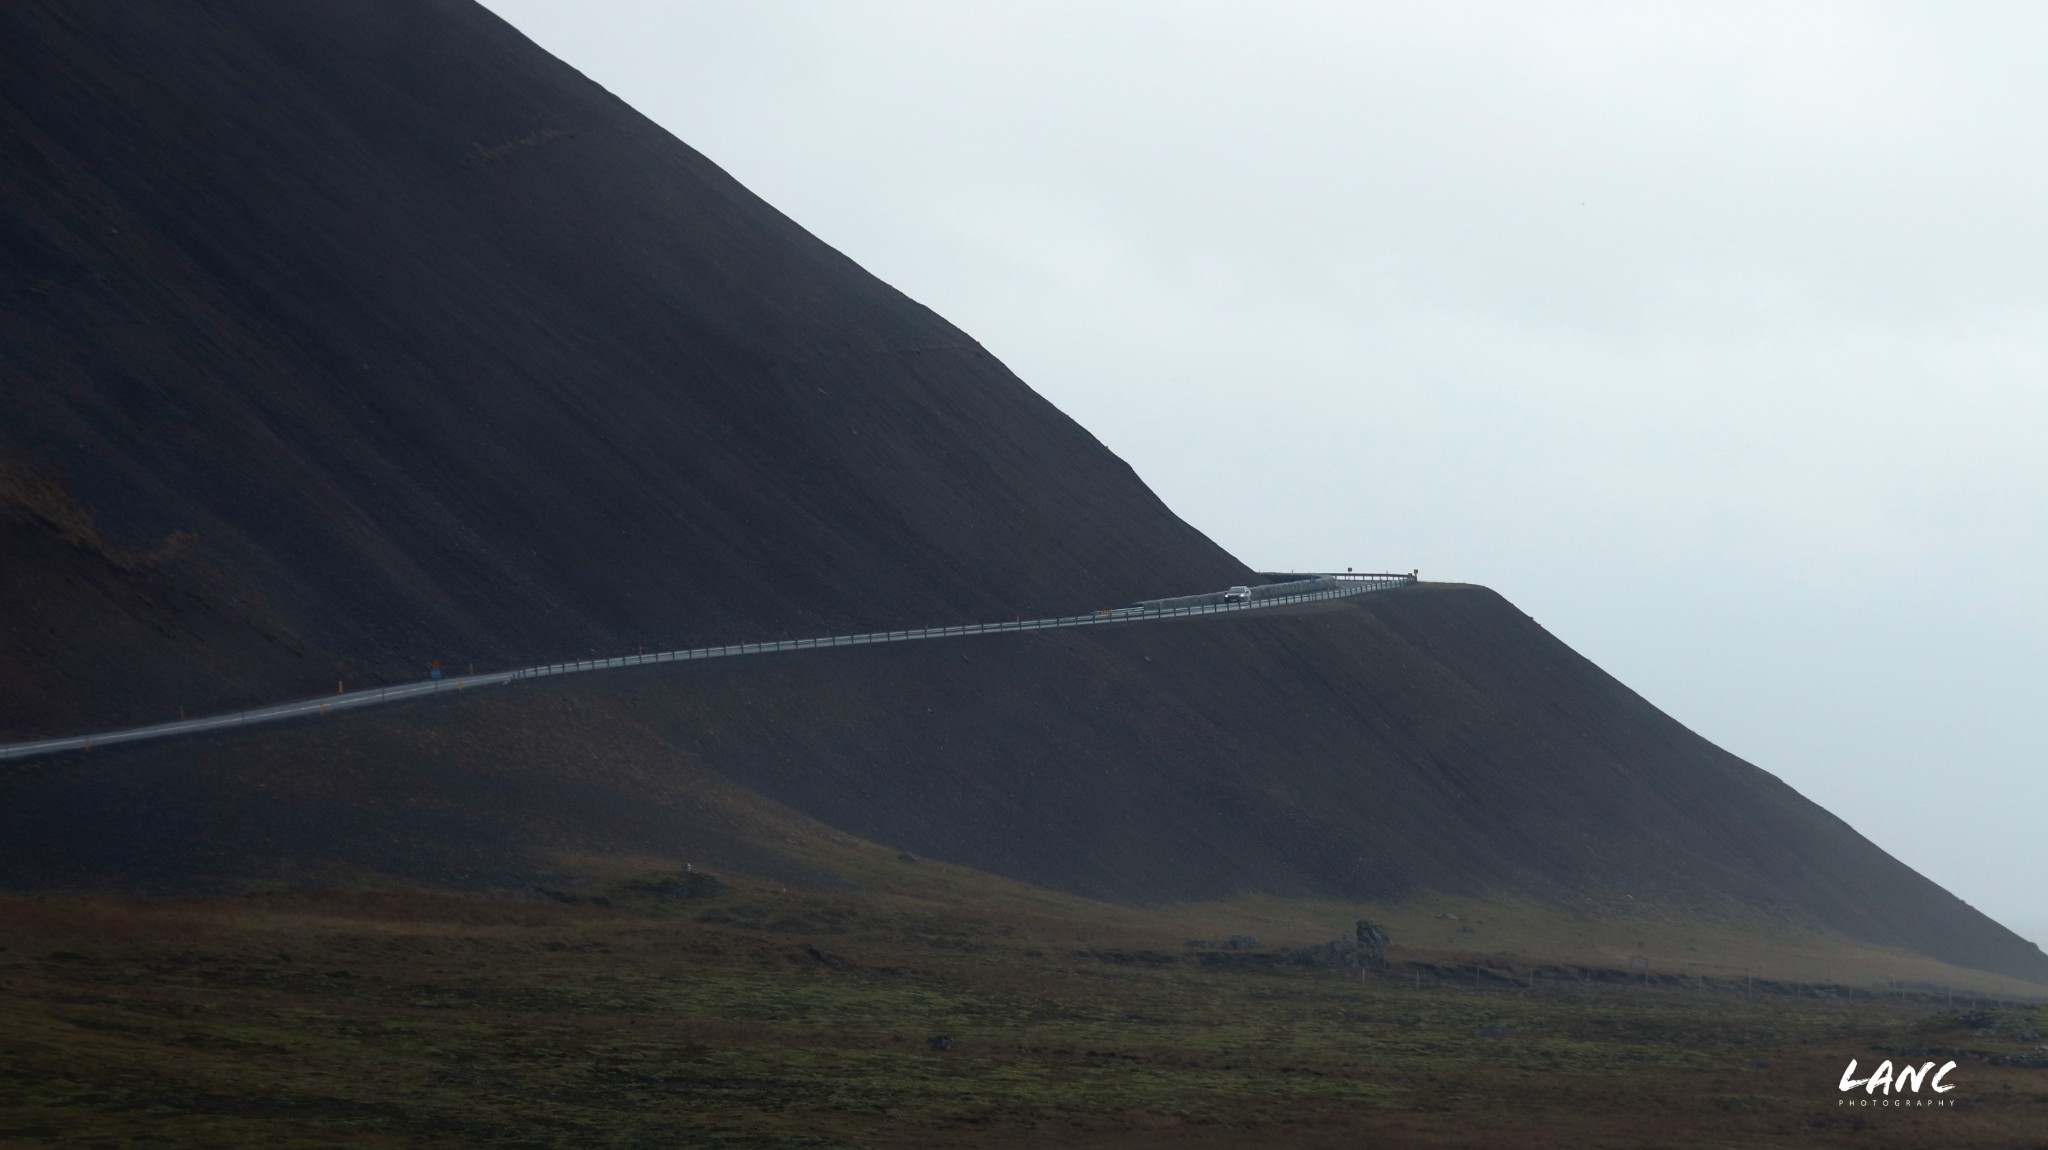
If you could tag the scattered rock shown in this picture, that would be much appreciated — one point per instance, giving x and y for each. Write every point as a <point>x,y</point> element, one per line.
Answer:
<point>1373,939</point>
<point>1241,960</point>
<point>939,1042</point>
<point>1241,942</point>
<point>1148,957</point>
<point>1337,954</point>
<point>1366,951</point>
<point>832,960</point>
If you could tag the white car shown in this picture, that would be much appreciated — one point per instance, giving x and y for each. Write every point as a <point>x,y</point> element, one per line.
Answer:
<point>1238,595</point>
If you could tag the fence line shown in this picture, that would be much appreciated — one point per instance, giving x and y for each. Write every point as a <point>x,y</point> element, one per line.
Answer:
<point>1320,586</point>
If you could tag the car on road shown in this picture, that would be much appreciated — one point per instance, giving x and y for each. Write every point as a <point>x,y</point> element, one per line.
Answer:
<point>1238,595</point>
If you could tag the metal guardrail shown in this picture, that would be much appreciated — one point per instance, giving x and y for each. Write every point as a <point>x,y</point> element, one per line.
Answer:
<point>1328,586</point>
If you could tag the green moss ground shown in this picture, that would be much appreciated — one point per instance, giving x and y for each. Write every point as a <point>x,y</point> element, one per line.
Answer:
<point>747,1016</point>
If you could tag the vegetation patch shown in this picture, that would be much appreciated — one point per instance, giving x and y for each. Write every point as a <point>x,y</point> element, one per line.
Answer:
<point>781,1018</point>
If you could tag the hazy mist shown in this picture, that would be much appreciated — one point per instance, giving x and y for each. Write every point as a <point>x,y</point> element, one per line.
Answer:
<point>1715,337</point>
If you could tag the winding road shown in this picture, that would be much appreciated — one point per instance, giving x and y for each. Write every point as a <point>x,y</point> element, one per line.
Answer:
<point>1298,588</point>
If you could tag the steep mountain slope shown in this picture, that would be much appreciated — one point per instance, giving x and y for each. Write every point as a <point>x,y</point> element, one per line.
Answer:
<point>1430,739</point>
<point>335,338</point>
<point>338,338</point>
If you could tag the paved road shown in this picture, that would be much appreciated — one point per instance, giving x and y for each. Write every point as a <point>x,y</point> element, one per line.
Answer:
<point>1266,595</point>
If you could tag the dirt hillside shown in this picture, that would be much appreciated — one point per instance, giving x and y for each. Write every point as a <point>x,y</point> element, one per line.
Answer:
<point>340,338</point>
<point>1433,739</point>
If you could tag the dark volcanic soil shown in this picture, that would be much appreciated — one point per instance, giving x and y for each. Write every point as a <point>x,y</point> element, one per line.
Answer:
<point>340,337</point>
<point>337,338</point>
<point>1433,738</point>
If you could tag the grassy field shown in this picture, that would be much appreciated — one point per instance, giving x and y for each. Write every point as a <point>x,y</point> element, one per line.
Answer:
<point>665,1009</point>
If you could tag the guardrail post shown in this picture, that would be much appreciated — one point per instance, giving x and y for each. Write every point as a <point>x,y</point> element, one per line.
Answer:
<point>1312,588</point>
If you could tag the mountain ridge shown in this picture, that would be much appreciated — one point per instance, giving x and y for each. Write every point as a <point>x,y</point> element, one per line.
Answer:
<point>278,292</point>
<point>1361,750</point>
<point>336,340</point>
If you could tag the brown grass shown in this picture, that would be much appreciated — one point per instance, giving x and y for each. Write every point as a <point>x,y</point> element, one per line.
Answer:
<point>657,1011</point>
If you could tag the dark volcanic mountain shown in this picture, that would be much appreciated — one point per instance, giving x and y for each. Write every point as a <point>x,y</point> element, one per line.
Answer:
<point>1426,739</point>
<point>337,338</point>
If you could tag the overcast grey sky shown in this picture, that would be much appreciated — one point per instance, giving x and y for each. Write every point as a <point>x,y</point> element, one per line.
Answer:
<point>1715,336</point>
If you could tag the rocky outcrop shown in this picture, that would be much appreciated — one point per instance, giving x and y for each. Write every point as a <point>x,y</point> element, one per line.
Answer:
<point>1366,951</point>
